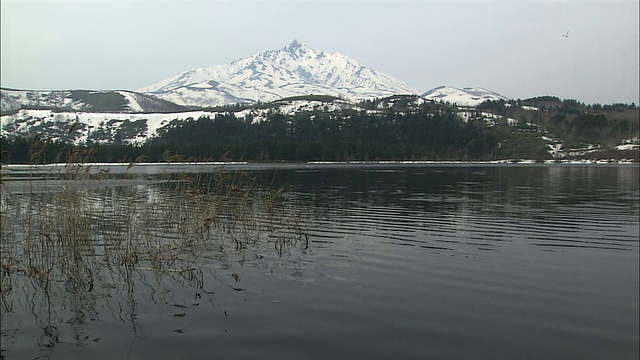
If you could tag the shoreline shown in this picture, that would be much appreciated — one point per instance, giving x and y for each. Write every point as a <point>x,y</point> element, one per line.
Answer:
<point>8,170</point>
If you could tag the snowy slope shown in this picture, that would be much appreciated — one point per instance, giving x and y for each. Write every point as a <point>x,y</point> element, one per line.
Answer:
<point>94,126</point>
<point>462,97</point>
<point>274,74</point>
<point>83,100</point>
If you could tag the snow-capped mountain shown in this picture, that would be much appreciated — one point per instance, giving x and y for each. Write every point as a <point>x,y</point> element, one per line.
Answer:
<point>121,101</point>
<point>274,74</point>
<point>462,97</point>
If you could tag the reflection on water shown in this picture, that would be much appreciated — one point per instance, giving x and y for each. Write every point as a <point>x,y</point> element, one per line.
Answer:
<point>558,206</point>
<point>415,262</point>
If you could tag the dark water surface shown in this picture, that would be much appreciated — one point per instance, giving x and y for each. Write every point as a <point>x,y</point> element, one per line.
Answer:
<point>434,262</point>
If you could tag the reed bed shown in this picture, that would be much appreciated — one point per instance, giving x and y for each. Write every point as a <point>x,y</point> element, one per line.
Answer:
<point>63,249</point>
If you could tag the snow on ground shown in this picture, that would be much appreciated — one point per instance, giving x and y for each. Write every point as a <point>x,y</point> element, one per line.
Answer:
<point>297,106</point>
<point>490,118</point>
<point>628,147</point>
<point>258,115</point>
<point>629,144</point>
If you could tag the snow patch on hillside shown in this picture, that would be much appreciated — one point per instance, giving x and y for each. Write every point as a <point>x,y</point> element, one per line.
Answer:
<point>490,118</point>
<point>629,144</point>
<point>23,120</point>
<point>131,100</point>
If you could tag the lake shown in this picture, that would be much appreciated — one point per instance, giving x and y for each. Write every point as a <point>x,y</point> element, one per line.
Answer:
<point>430,261</point>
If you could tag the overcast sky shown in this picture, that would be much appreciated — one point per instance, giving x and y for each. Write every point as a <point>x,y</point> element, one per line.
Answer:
<point>512,47</point>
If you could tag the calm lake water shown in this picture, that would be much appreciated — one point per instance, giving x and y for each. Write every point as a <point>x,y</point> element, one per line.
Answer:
<point>424,262</point>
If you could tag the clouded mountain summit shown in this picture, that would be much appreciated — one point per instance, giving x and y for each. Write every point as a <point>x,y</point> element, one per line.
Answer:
<point>274,74</point>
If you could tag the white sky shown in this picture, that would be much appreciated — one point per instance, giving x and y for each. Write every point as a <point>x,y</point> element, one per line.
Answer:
<point>511,47</point>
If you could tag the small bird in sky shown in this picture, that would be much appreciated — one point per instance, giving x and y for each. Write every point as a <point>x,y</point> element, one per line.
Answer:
<point>566,35</point>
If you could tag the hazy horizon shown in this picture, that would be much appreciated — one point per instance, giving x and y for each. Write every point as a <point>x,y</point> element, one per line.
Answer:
<point>514,48</point>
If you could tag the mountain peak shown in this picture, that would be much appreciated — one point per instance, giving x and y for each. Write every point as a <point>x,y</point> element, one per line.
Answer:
<point>295,45</point>
<point>273,74</point>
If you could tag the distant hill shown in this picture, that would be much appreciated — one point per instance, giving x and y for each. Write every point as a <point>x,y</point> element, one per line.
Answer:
<point>120,101</point>
<point>462,97</point>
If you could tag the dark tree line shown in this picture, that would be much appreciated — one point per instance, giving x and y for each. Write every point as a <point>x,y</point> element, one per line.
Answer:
<point>330,137</point>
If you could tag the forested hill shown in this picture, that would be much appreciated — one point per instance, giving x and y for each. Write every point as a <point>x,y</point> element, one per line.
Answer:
<point>576,123</point>
<point>330,129</point>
